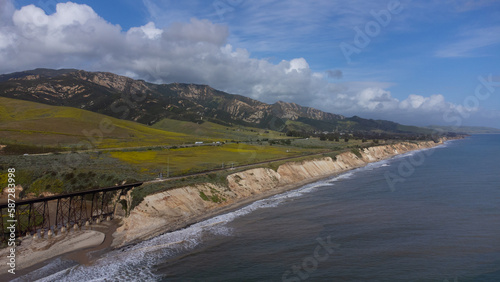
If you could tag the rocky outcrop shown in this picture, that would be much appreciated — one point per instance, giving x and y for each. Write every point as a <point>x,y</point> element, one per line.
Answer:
<point>176,208</point>
<point>112,81</point>
<point>294,111</point>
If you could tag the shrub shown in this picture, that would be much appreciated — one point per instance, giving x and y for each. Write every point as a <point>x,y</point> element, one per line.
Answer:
<point>356,152</point>
<point>203,196</point>
<point>124,205</point>
<point>46,184</point>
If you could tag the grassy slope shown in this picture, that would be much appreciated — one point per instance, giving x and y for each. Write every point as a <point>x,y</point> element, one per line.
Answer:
<point>298,126</point>
<point>217,131</point>
<point>33,123</point>
<point>30,123</point>
<point>194,159</point>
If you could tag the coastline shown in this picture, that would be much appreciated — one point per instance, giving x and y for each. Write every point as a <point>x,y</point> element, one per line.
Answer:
<point>194,210</point>
<point>178,208</point>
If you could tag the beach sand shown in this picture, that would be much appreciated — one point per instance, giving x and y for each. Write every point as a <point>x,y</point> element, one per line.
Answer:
<point>81,246</point>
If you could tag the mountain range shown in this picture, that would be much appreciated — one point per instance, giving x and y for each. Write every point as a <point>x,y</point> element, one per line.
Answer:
<point>147,103</point>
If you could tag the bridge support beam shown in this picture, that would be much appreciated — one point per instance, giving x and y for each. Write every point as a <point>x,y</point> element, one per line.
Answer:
<point>35,215</point>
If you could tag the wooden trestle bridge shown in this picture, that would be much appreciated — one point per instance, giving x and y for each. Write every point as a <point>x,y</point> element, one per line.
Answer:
<point>56,212</point>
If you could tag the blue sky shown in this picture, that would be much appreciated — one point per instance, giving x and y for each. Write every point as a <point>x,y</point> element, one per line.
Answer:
<point>414,62</point>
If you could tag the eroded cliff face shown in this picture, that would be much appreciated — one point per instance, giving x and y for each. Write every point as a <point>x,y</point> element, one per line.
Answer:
<point>176,208</point>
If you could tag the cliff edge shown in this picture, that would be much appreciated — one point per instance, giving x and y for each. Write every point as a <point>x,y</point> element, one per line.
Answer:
<point>176,208</point>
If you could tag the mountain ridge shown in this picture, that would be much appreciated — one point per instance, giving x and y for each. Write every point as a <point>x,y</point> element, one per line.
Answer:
<point>148,103</point>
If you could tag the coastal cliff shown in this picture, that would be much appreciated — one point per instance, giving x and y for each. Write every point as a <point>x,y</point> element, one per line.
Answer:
<point>176,208</point>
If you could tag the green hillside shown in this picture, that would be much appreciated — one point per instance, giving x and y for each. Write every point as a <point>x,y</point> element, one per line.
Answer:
<point>216,131</point>
<point>29,123</point>
<point>58,127</point>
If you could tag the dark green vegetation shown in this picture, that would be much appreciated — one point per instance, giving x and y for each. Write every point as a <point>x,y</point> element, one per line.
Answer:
<point>356,152</point>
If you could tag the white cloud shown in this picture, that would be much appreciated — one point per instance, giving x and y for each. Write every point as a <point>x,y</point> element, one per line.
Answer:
<point>297,65</point>
<point>378,103</point>
<point>148,31</point>
<point>192,52</point>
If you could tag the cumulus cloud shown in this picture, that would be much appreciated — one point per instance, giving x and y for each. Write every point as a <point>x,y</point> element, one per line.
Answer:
<point>75,36</point>
<point>378,103</point>
<point>72,35</point>
<point>148,31</point>
<point>298,65</point>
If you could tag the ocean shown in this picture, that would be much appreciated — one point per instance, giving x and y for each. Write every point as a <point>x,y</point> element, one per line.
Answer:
<point>431,215</point>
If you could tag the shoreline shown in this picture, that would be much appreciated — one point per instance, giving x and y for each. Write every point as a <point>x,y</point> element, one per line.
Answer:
<point>93,249</point>
<point>81,246</point>
<point>82,256</point>
<point>240,202</point>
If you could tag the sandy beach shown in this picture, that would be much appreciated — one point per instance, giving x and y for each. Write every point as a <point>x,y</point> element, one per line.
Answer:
<point>82,246</point>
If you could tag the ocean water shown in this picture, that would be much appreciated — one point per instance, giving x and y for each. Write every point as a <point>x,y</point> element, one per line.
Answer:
<point>431,215</point>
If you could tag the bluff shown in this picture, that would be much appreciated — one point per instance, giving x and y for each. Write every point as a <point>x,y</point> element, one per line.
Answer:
<point>173,209</point>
